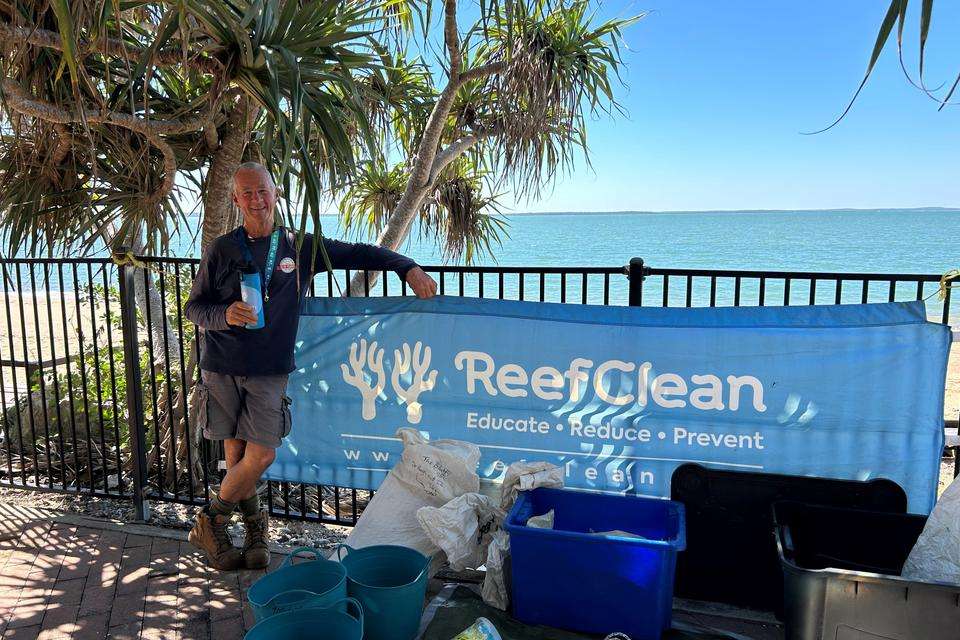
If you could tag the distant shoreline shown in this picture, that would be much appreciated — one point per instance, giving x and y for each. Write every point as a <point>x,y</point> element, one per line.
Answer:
<point>685,212</point>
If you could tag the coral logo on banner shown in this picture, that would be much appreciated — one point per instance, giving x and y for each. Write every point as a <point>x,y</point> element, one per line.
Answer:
<point>410,375</point>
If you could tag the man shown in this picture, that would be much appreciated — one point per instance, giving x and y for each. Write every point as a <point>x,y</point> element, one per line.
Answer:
<point>244,372</point>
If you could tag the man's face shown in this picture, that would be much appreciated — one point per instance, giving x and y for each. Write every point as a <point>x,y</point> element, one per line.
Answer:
<point>255,196</point>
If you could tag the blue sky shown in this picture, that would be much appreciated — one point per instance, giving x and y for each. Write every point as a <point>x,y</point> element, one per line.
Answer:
<point>718,94</point>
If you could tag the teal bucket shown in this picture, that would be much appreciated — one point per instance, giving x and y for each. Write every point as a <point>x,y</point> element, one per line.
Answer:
<point>333,622</point>
<point>315,583</point>
<point>390,582</point>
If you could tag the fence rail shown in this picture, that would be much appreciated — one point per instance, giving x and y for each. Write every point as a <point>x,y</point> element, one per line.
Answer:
<point>98,363</point>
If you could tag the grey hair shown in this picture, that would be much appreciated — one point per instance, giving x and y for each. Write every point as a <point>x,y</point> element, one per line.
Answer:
<point>254,166</point>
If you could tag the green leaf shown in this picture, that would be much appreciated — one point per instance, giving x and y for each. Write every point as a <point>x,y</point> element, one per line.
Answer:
<point>949,95</point>
<point>61,9</point>
<point>168,26</point>
<point>893,12</point>
<point>926,13</point>
<point>901,21</point>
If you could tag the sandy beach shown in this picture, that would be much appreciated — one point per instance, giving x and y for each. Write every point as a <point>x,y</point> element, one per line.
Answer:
<point>46,331</point>
<point>951,401</point>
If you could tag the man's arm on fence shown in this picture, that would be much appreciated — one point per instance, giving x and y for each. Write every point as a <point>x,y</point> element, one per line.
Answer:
<point>357,255</point>
<point>203,308</point>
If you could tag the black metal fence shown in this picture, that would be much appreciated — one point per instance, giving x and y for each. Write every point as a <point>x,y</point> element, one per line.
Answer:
<point>98,364</point>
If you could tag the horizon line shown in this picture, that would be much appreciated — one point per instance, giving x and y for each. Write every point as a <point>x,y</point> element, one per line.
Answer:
<point>652,211</point>
<point>827,210</point>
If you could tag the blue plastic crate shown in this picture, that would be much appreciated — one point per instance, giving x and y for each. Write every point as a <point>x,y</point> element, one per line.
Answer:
<point>571,578</point>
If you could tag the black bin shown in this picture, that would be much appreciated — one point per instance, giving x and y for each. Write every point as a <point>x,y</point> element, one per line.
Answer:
<point>731,555</point>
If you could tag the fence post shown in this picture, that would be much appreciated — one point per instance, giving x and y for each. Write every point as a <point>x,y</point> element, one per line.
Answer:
<point>635,273</point>
<point>131,360</point>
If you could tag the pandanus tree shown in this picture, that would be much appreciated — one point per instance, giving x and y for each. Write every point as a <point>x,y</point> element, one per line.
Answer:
<point>505,107</point>
<point>114,114</point>
<point>112,110</point>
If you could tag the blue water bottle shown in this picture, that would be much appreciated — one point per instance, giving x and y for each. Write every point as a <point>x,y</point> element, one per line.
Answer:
<point>250,293</point>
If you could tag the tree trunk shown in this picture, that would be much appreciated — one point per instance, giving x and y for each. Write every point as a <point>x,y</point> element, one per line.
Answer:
<point>418,186</point>
<point>147,296</point>
<point>425,168</point>
<point>218,214</point>
<point>218,217</point>
<point>392,236</point>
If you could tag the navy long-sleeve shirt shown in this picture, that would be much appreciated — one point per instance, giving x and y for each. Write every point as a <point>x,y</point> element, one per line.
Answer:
<point>268,351</point>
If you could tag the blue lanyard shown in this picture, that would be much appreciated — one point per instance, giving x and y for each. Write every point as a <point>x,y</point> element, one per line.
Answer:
<point>271,257</point>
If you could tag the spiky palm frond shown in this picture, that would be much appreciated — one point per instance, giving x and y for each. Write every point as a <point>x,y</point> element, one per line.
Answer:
<point>896,16</point>
<point>153,63</point>
<point>560,68</point>
<point>461,215</point>
<point>92,194</point>
<point>372,197</point>
<point>296,60</point>
<point>466,220</point>
<point>397,94</point>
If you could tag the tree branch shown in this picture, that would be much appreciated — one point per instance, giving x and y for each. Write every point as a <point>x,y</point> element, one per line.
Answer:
<point>455,149</point>
<point>483,71</point>
<point>210,137</point>
<point>169,169</point>
<point>107,46</point>
<point>458,147</point>
<point>430,140</point>
<point>451,37</point>
<point>25,104</point>
<point>451,153</point>
<point>64,142</point>
<point>20,102</point>
<point>229,97</point>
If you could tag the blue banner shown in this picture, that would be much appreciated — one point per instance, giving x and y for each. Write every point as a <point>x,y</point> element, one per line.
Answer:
<point>620,396</point>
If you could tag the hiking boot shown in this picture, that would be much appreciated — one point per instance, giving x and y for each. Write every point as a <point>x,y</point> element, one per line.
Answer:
<point>256,551</point>
<point>209,533</point>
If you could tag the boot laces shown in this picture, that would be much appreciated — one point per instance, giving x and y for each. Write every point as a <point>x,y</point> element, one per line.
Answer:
<point>220,535</point>
<point>256,531</point>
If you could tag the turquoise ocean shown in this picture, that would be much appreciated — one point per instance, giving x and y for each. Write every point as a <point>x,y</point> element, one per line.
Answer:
<point>889,241</point>
<point>918,241</point>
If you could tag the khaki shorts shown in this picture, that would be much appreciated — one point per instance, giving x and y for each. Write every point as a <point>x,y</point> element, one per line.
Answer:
<point>249,408</point>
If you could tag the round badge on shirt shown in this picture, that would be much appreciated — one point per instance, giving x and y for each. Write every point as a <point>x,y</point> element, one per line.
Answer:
<point>287,265</point>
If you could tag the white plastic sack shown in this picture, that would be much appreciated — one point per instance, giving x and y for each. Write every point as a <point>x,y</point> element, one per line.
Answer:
<point>936,555</point>
<point>617,533</point>
<point>429,474</point>
<point>520,476</point>
<point>541,522</point>
<point>496,592</point>
<point>524,476</point>
<point>462,528</point>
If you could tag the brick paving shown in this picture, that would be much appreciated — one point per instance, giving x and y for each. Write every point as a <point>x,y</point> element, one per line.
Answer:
<point>67,576</point>
<point>66,580</point>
